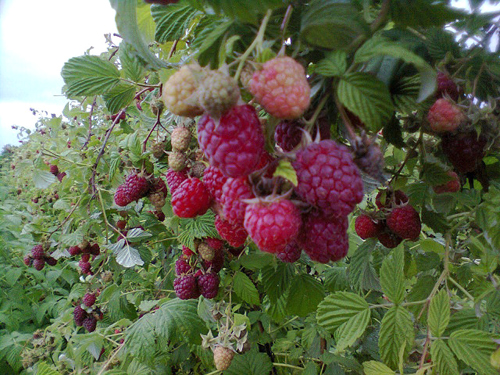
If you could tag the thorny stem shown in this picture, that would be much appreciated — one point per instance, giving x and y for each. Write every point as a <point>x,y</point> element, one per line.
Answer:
<point>256,42</point>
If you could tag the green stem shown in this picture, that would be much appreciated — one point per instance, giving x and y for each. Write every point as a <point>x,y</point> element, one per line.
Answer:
<point>284,324</point>
<point>312,120</point>
<point>461,288</point>
<point>288,366</point>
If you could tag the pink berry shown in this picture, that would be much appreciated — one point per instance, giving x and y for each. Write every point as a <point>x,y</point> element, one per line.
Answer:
<point>444,116</point>
<point>234,234</point>
<point>191,199</point>
<point>234,192</point>
<point>404,221</point>
<point>214,180</point>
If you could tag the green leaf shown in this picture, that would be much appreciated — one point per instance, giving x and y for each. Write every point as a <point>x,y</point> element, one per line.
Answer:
<point>345,314</point>
<point>333,65</point>
<point>140,337</point>
<point>384,47</point>
<point>137,234</point>
<point>366,97</point>
<point>440,42</point>
<point>439,313</point>
<point>336,279</point>
<point>131,65</point>
<point>198,227</point>
<point>285,170</point>
<point>250,363</point>
<point>43,179</point>
<point>89,75</point>
<point>126,23</point>
<point>44,369</point>
<point>305,294</point>
<point>396,330</point>
<point>392,277</point>
<point>211,38</point>
<point>361,272</point>
<point>376,368</point>
<point>245,289</point>
<point>435,173</point>
<point>474,347</point>
<point>332,24</point>
<point>422,13</point>
<point>126,255</point>
<point>247,11</point>
<point>443,358</point>
<point>276,280</point>
<point>119,97</point>
<point>172,21</point>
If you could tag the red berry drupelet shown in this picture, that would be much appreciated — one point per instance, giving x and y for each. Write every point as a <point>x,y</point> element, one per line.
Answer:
<point>366,227</point>
<point>39,264</point>
<point>175,179</point>
<point>464,150</point>
<point>182,267</point>
<point>235,144</point>
<point>404,221</point>
<point>272,225</point>
<point>74,250</point>
<point>234,234</point>
<point>290,254</point>
<point>191,199</point>
<point>186,288</point>
<point>208,284</point>
<point>214,180</point>
<point>328,178</point>
<point>234,191</point>
<point>89,299</point>
<point>134,188</point>
<point>389,239</point>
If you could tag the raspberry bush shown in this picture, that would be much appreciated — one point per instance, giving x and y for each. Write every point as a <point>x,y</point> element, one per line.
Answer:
<point>295,187</point>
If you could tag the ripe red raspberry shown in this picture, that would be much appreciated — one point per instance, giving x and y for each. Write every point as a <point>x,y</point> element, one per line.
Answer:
<point>187,251</point>
<point>444,116</point>
<point>366,227</point>
<point>234,234</point>
<point>178,92</point>
<point>90,323</point>
<point>79,315</point>
<point>95,249</point>
<point>324,238</point>
<point>186,288</point>
<point>214,243</point>
<point>288,134</point>
<point>235,144</point>
<point>28,260</point>
<point>51,261</point>
<point>175,179</point>
<point>121,224</point>
<point>74,250</point>
<point>85,257</point>
<point>85,267</point>
<point>389,239</point>
<point>89,299</point>
<point>180,139</point>
<point>39,264</point>
<point>404,221</point>
<point>387,199</point>
<point>452,186</point>
<point>328,178</point>
<point>272,225</point>
<point>191,199</point>
<point>208,285</point>
<point>54,170</point>
<point>218,93</point>
<point>290,254</point>
<point>134,188</point>
<point>281,87</point>
<point>234,191</point>
<point>222,358</point>
<point>214,181</point>
<point>445,85</point>
<point>121,196</point>
<point>182,267</point>
<point>464,150</point>
<point>60,176</point>
<point>37,252</point>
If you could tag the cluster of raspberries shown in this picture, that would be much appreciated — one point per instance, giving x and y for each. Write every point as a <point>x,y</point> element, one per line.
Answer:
<point>55,171</point>
<point>191,282</point>
<point>86,250</point>
<point>137,186</point>
<point>394,221</point>
<point>85,314</point>
<point>38,257</point>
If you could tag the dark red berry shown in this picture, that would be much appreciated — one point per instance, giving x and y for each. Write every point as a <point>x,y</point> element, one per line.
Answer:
<point>51,261</point>
<point>121,224</point>
<point>28,260</point>
<point>446,86</point>
<point>389,239</point>
<point>208,284</point>
<point>290,254</point>
<point>388,199</point>
<point>54,170</point>
<point>37,252</point>
<point>214,243</point>
<point>85,257</point>
<point>39,264</point>
<point>464,150</point>
<point>74,250</point>
<point>216,264</point>
<point>85,267</point>
<point>186,287</point>
<point>79,315</point>
<point>366,227</point>
<point>90,323</point>
<point>89,299</point>
<point>404,221</point>
<point>288,134</point>
<point>95,249</point>
<point>182,267</point>
<point>187,251</point>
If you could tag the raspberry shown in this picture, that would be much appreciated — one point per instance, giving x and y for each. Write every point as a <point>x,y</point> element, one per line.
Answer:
<point>366,227</point>
<point>51,261</point>
<point>121,224</point>
<point>85,257</point>
<point>197,169</point>
<point>182,267</point>
<point>234,234</point>
<point>370,159</point>
<point>177,160</point>
<point>37,252</point>
<point>205,251</point>
<point>187,251</point>
<point>85,267</point>
<point>444,116</point>
<point>451,186</point>
<point>134,188</point>
<point>28,260</point>
<point>328,178</point>
<point>121,197</point>
<point>386,198</point>
<point>325,238</point>
<point>157,200</point>
<point>222,358</point>
<point>159,215</point>
<point>290,254</point>
<point>89,299</point>
<point>218,93</point>
<point>214,181</point>
<point>79,315</point>
<point>159,186</point>
<point>214,243</point>
<point>84,245</point>
<point>60,176</point>
<point>185,287</point>
<point>446,86</point>
<point>54,170</point>
<point>74,250</point>
<point>288,135</point>
<point>216,264</point>
<point>272,225</point>
<point>39,264</point>
<point>464,150</point>
<point>90,323</point>
<point>235,144</point>
<point>208,285</point>
<point>180,139</point>
<point>174,179</point>
<point>281,87</point>
<point>191,199</point>
<point>389,239</point>
<point>158,149</point>
<point>404,221</point>
<point>234,191</point>
<point>179,89</point>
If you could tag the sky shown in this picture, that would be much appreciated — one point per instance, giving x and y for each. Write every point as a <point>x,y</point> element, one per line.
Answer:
<point>36,39</point>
